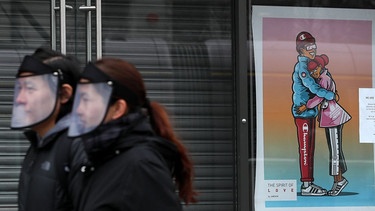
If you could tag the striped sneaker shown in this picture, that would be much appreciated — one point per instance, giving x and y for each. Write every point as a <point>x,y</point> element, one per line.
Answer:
<point>338,187</point>
<point>313,190</point>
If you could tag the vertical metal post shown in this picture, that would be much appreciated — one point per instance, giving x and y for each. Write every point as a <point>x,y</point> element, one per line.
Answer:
<point>88,8</point>
<point>241,63</point>
<point>63,26</point>
<point>53,25</point>
<point>88,32</point>
<point>98,29</point>
<point>252,109</point>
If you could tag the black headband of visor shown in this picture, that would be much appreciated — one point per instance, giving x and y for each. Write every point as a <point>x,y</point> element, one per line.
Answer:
<point>30,64</point>
<point>95,75</point>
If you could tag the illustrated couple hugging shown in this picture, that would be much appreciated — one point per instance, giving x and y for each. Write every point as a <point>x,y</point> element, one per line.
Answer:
<point>315,95</point>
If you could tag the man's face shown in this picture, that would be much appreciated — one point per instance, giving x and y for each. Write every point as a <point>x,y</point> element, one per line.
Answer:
<point>309,50</point>
<point>91,106</point>
<point>34,100</point>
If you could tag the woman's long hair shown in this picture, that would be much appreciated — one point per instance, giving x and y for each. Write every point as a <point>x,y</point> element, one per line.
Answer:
<point>127,74</point>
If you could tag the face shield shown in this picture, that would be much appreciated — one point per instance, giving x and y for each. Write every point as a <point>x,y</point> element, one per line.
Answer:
<point>35,93</point>
<point>93,98</point>
<point>90,106</point>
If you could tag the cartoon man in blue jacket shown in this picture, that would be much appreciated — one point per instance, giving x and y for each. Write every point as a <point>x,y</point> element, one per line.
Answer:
<point>304,87</point>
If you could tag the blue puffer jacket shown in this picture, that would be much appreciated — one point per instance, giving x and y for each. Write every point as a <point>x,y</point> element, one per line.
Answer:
<point>305,87</point>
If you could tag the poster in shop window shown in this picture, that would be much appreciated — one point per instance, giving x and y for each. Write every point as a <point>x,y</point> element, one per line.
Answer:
<point>315,95</point>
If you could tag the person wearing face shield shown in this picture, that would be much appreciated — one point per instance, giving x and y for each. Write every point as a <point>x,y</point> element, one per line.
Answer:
<point>304,87</point>
<point>43,99</point>
<point>136,162</point>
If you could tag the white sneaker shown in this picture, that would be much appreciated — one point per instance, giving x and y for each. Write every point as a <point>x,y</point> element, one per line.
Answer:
<point>313,190</point>
<point>337,187</point>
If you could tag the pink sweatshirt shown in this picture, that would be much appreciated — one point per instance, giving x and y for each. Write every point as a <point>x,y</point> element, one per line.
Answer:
<point>331,113</point>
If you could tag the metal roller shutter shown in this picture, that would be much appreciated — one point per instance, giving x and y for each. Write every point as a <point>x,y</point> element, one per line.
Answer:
<point>12,143</point>
<point>23,27</point>
<point>187,67</point>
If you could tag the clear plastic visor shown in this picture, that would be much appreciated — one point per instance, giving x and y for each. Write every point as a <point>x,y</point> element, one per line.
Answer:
<point>90,107</point>
<point>34,100</point>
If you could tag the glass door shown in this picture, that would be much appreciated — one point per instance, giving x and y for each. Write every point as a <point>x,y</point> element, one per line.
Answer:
<point>76,28</point>
<point>183,50</point>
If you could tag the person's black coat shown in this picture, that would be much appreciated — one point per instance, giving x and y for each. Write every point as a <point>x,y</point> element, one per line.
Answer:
<point>131,171</point>
<point>49,179</point>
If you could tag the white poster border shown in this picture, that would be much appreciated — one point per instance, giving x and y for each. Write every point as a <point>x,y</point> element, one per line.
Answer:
<point>258,13</point>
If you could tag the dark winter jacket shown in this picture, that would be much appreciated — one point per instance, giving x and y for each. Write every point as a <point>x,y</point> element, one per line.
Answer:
<point>131,168</point>
<point>49,179</point>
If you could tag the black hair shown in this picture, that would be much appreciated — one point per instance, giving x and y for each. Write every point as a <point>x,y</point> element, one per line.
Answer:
<point>70,68</point>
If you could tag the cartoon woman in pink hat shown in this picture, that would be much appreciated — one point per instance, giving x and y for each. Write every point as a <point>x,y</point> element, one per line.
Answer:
<point>332,117</point>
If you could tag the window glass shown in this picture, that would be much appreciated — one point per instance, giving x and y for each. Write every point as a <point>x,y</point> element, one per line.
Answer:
<point>313,66</point>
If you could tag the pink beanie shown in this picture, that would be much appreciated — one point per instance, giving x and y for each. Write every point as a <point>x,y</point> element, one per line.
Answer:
<point>321,60</point>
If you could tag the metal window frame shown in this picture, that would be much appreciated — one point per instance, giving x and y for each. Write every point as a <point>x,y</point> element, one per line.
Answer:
<point>242,122</point>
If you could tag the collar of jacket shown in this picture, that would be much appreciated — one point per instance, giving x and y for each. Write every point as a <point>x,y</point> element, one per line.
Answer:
<point>119,136</point>
<point>41,142</point>
<point>106,137</point>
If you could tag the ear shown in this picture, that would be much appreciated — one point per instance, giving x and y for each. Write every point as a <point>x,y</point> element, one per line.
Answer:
<point>300,51</point>
<point>66,92</point>
<point>118,109</point>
